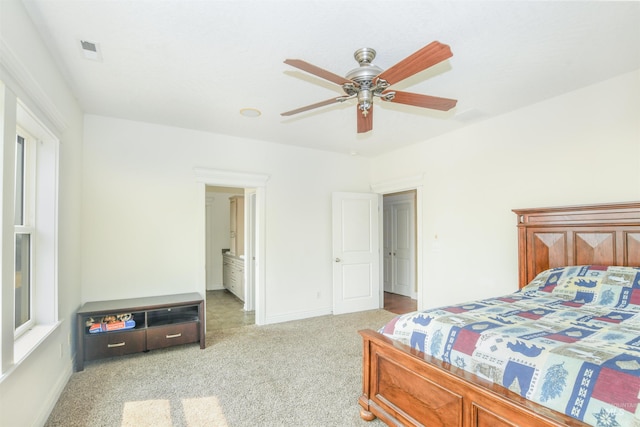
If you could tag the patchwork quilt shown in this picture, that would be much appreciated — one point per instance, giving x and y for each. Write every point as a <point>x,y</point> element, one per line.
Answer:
<point>569,340</point>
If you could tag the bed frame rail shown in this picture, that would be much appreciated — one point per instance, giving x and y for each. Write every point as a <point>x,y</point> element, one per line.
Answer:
<point>402,386</point>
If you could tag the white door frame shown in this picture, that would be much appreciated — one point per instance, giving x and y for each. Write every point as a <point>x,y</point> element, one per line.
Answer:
<point>209,200</point>
<point>249,249</point>
<point>222,178</point>
<point>395,186</point>
<point>393,200</point>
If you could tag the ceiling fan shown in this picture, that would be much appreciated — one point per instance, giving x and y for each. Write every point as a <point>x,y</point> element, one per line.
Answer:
<point>369,81</point>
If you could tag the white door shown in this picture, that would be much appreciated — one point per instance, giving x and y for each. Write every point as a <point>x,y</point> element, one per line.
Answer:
<point>399,244</point>
<point>387,247</point>
<point>356,256</point>
<point>402,249</point>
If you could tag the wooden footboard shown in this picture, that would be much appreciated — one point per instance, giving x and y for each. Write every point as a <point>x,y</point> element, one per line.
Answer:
<point>402,386</point>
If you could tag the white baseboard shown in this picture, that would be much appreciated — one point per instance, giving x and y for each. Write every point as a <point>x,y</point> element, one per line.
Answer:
<point>54,395</point>
<point>297,315</point>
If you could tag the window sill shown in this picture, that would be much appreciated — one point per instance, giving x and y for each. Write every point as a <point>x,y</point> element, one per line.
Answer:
<point>26,344</point>
<point>30,340</point>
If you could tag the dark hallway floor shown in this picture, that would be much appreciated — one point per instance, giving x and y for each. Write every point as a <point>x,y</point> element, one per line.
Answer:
<point>399,304</point>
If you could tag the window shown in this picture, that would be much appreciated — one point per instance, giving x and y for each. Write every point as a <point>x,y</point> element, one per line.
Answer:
<point>29,313</point>
<point>23,229</point>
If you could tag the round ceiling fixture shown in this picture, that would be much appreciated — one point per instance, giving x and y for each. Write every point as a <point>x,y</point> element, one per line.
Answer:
<point>250,112</point>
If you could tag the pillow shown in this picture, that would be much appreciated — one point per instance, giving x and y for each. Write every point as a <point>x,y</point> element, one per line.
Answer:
<point>590,284</point>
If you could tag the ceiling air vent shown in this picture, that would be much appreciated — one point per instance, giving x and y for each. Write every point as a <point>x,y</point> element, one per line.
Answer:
<point>90,50</point>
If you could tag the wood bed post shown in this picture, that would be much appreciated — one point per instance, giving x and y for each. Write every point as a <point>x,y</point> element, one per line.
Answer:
<point>365,414</point>
<point>522,253</point>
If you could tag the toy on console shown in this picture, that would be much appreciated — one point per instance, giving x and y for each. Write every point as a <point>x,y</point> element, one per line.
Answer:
<point>111,322</point>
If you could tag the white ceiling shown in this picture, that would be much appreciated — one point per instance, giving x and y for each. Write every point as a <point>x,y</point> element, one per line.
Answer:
<point>196,63</point>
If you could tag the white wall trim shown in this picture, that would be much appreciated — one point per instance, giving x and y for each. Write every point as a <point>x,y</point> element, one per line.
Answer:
<point>15,73</point>
<point>230,178</point>
<point>298,315</point>
<point>396,185</point>
<point>46,407</point>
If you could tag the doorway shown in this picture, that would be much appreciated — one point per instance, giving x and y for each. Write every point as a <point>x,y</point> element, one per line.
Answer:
<point>399,252</point>
<point>229,256</point>
<point>256,185</point>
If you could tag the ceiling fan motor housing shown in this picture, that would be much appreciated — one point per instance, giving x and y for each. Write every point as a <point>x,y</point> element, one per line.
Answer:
<point>363,76</point>
<point>366,71</point>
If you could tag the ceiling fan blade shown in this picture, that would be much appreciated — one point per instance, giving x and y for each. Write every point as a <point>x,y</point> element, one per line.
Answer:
<point>317,71</point>
<point>424,101</point>
<point>432,54</point>
<point>312,106</point>
<point>365,123</point>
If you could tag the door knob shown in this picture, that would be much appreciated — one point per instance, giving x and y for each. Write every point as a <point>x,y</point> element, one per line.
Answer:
<point>338,260</point>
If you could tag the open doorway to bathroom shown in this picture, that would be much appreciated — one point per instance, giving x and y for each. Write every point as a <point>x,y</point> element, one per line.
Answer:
<point>230,256</point>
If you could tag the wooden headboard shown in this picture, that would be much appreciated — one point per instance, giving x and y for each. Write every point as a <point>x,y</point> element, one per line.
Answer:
<point>607,234</point>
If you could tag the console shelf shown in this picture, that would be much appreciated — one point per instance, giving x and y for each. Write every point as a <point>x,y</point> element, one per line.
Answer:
<point>160,322</point>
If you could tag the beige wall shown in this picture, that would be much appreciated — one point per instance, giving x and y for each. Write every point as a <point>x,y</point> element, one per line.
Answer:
<point>580,148</point>
<point>29,390</point>
<point>142,210</point>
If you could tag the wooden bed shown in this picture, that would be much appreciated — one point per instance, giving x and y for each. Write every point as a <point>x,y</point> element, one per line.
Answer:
<point>403,386</point>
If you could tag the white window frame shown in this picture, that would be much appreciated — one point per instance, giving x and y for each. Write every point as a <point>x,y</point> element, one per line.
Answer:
<point>28,225</point>
<point>42,213</point>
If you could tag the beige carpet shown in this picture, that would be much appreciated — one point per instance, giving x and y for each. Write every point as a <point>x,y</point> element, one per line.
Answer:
<point>302,373</point>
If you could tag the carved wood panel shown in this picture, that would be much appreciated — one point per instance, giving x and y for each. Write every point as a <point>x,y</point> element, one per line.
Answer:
<point>577,235</point>
<point>632,248</point>
<point>486,418</point>
<point>551,249</point>
<point>415,396</point>
<point>548,249</point>
<point>595,248</point>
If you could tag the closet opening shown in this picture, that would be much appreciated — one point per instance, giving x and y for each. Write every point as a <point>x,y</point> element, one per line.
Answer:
<point>399,252</point>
